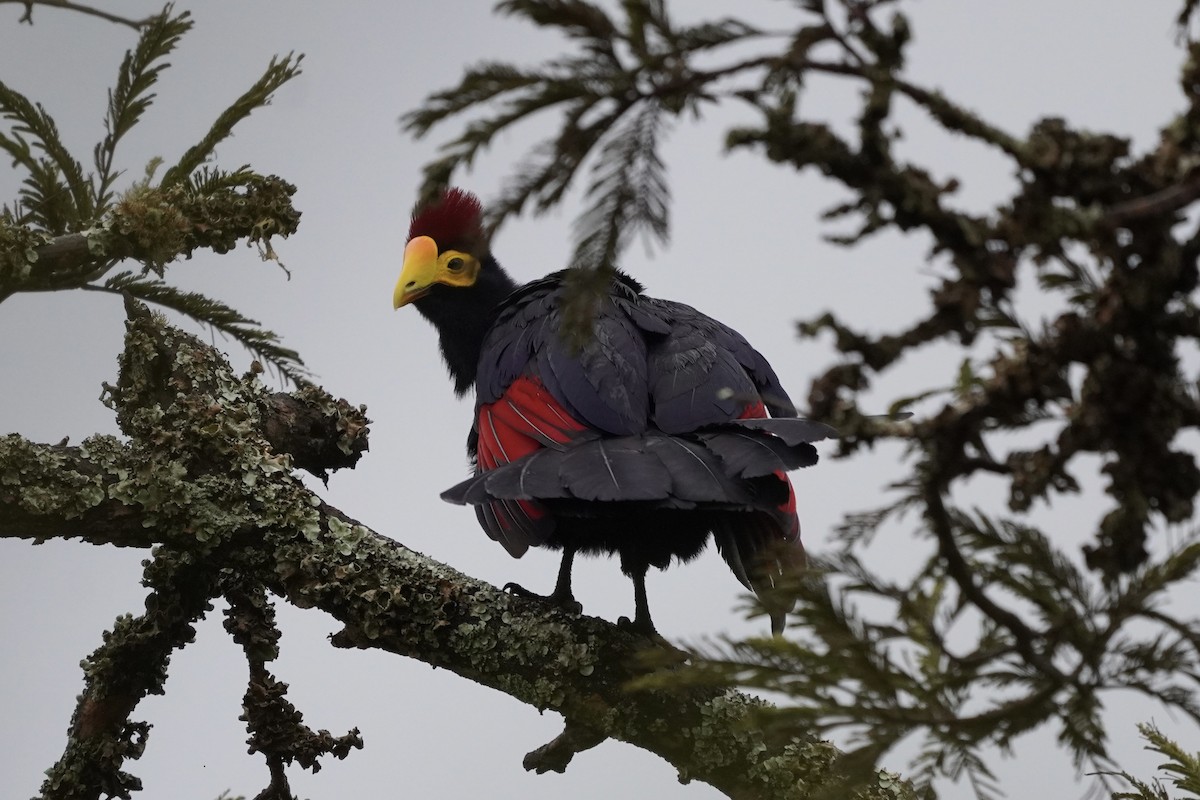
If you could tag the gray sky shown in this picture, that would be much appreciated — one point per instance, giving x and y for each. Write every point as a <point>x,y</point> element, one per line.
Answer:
<point>745,248</point>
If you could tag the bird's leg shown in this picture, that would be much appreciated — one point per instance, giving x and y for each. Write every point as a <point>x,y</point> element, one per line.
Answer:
<point>562,595</point>
<point>641,622</point>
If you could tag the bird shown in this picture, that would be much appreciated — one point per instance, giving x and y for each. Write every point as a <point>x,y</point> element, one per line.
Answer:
<point>660,429</point>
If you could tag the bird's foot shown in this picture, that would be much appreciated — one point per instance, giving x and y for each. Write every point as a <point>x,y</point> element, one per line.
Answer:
<point>645,628</point>
<point>564,600</point>
<point>642,627</point>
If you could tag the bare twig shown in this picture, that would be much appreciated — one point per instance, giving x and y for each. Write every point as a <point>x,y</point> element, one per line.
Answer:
<point>1157,204</point>
<point>1025,639</point>
<point>27,17</point>
<point>555,755</point>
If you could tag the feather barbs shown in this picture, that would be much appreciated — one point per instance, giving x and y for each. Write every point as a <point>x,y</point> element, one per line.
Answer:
<point>454,220</point>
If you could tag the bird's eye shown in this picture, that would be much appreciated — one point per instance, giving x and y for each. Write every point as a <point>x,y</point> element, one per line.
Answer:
<point>455,264</point>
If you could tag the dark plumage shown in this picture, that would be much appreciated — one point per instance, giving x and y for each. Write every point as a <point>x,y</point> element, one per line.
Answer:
<point>642,441</point>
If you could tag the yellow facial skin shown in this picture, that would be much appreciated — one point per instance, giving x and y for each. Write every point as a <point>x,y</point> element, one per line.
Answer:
<point>424,266</point>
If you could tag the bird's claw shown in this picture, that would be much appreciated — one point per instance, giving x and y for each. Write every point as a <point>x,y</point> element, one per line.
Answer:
<point>643,627</point>
<point>563,600</point>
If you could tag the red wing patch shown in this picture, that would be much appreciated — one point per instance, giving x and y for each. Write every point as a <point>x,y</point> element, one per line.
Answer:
<point>526,418</point>
<point>788,508</point>
<point>755,410</point>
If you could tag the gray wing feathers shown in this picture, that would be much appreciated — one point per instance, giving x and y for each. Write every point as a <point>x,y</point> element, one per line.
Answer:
<point>713,467</point>
<point>792,430</point>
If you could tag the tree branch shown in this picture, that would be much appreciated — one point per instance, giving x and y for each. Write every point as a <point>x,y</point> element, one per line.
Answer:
<point>154,226</point>
<point>199,476</point>
<point>131,664</point>
<point>277,728</point>
<point>555,755</point>
<point>1156,204</point>
<point>1025,640</point>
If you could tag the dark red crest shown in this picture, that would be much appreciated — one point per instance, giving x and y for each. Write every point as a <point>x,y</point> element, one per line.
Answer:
<point>454,221</point>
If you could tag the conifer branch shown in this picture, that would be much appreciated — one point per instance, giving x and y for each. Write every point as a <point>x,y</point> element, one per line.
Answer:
<point>278,72</point>
<point>1181,768</point>
<point>33,128</point>
<point>131,96</point>
<point>628,194</point>
<point>606,108</point>
<point>249,333</point>
<point>68,230</point>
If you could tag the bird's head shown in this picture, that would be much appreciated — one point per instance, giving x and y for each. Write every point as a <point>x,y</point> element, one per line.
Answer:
<point>447,246</point>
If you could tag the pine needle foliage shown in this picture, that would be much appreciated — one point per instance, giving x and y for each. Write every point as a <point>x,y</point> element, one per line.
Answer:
<point>130,98</point>
<point>55,192</point>
<point>613,99</point>
<point>264,344</point>
<point>278,72</point>
<point>67,229</point>
<point>1182,769</point>
<point>1001,628</point>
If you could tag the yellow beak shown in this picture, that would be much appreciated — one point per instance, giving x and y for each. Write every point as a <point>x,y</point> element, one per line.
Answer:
<point>418,272</point>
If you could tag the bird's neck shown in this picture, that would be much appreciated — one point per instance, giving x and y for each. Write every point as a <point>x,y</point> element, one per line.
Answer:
<point>463,316</point>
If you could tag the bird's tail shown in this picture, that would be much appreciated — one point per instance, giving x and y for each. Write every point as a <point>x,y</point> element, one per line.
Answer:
<point>765,557</point>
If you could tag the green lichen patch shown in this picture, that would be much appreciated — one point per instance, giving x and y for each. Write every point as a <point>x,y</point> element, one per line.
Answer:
<point>49,481</point>
<point>18,251</point>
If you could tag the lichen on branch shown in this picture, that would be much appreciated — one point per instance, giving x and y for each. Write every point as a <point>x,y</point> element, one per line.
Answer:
<point>202,482</point>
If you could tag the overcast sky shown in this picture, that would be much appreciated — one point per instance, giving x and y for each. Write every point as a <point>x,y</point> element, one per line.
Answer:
<point>746,249</point>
